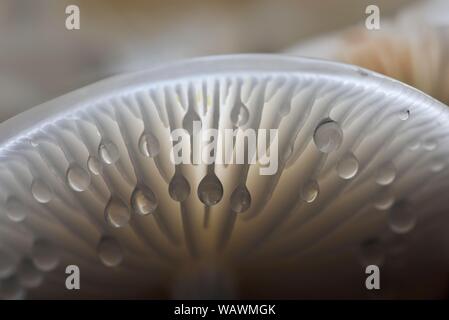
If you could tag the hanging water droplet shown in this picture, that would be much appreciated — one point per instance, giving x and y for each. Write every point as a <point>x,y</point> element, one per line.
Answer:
<point>404,114</point>
<point>348,166</point>
<point>29,276</point>
<point>117,213</point>
<point>386,174</point>
<point>110,252</point>
<point>240,115</point>
<point>310,191</point>
<point>7,265</point>
<point>77,178</point>
<point>143,201</point>
<point>44,255</point>
<point>384,201</point>
<point>240,199</point>
<point>94,165</point>
<point>149,145</point>
<point>108,152</point>
<point>402,218</point>
<point>210,190</point>
<point>328,136</point>
<point>10,289</point>
<point>430,144</point>
<point>179,188</point>
<point>15,210</point>
<point>372,252</point>
<point>41,191</point>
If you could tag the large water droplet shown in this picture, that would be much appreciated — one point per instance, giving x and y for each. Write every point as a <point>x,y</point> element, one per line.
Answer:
<point>328,136</point>
<point>108,152</point>
<point>143,201</point>
<point>430,144</point>
<point>10,289</point>
<point>239,115</point>
<point>384,201</point>
<point>44,255</point>
<point>29,276</point>
<point>41,191</point>
<point>149,145</point>
<point>117,213</point>
<point>179,188</point>
<point>94,165</point>
<point>240,199</point>
<point>309,191</point>
<point>15,210</point>
<point>210,190</point>
<point>402,218</point>
<point>386,174</point>
<point>7,265</point>
<point>348,166</point>
<point>77,178</point>
<point>372,252</point>
<point>110,252</point>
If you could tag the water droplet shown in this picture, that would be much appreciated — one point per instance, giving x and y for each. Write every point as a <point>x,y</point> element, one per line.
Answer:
<point>94,165</point>
<point>7,265</point>
<point>372,252</point>
<point>384,201</point>
<point>401,218</point>
<point>117,213</point>
<point>310,191</point>
<point>239,115</point>
<point>108,152</point>
<point>414,145</point>
<point>430,144</point>
<point>348,166</point>
<point>386,174</point>
<point>44,255</point>
<point>41,191</point>
<point>210,190</point>
<point>179,188</point>
<point>149,145</point>
<point>240,199</point>
<point>77,178</point>
<point>143,201</point>
<point>437,165</point>
<point>110,252</point>
<point>29,276</point>
<point>404,114</point>
<point>15,210</point>
<point>328,136</point>
<point>10,289</point>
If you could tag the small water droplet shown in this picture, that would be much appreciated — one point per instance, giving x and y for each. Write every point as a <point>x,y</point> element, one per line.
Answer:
<point>372,252</point>
<point>110,252</point>
<point>15,210</point>
<point>430,144</point>
<point>94,165</point>
<point>328,136</point>
<point>7,265</point>
<point>41,191</point>
<point>310,191</point>
<point>179,188</point>
<point>117,213</point>
<point>44,255</point>
<point>149,145</point>
<point>108,152</point>
<point>384,201</point>
<point>10,289</point>
<point>348,166</point>
<point>240,199</point>
<point>29,276</point>
<point>210,190</point>
<point>77,178</point>
<point>402,218</point>
<point>240,115</point>
<point>143,201</point>
<point>404,114</point>
<point>386,174</point>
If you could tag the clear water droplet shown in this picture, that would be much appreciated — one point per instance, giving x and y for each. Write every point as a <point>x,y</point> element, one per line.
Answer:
<point>10,289</point>
<point>240,199</point>
<point>210,190</point>
<point>143,201</point>
<point>404,114</point>
<point>328,136</point>
<point>384,201</point>
<point>77,178</point>
<point>108,152</point>
<point>179,188</point>
<point>372,252</point>
<point>149,145</point>
<point>29,276</point>
<point>94,165</point>
<point>348,166</point>
<point>117,213</point>
<point>41,191</point>
<point>386,174</point>
<point>309,191</point>
<point>7,265</point>
<point>402,218</point>
<point>240,115</point>
<point>44,255</point>
<point>110,252</point>
<point>430,144</point>
<point>15,210</point>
